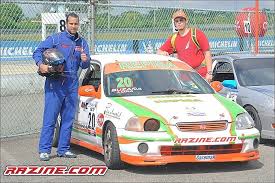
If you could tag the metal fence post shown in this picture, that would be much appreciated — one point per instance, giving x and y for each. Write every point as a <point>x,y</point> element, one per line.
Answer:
<point>250,48</point>
<point>92,25</point>
<point>109,14</point>
<point>136,46</point>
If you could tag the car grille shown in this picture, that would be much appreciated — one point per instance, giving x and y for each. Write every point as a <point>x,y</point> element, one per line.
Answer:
<point>202,126</point>
<point>200,150</point>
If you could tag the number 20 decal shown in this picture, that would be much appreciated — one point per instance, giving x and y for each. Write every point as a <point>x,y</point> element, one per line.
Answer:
<point>91,118</point>
<point>124,82</point>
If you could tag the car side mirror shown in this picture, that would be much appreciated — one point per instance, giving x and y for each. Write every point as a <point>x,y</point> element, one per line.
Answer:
<point>230,84</point>
<point>216,85</point>
<point>87,91</point>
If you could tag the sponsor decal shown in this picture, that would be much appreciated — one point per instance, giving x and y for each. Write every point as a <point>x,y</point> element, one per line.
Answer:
<point>126,90</point>
<point>89,104</point>
<point>92,106</point>
<point>222,115</point>
<point>146,65</point>
<point>205,157</point>
<point>193,111</point>
<point>125,85</point>
<point>84,105</point>
<point>110,112</point>
<point>177,100</point>
<point>89,128</point>
<point>55,170</point>
<point>175,117</point>
<point>124,82</point>
<point>100,119</point>
<point>171,96</point>
<point>232,96</point>
<point>89,90</point>
<point>65,45</point>
<point>196,113</point>
<point>205,140</point>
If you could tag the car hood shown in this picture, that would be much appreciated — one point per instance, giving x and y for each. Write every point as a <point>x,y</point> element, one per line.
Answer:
<point>267,90</point>
<point>183,108</point>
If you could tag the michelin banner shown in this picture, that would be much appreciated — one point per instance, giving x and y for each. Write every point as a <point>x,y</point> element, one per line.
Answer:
<point>22,50</point>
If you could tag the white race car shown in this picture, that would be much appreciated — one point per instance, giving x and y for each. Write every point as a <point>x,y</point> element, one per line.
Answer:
<point>146,109</point>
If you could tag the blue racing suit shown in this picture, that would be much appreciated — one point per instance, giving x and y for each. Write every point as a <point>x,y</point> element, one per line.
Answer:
<point>61,94</point>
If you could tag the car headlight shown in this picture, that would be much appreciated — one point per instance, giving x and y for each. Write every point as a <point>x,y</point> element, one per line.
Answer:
<point>151,125</point>
<point>139,124</point>
<point>133,124</point>
<point>244,121</point>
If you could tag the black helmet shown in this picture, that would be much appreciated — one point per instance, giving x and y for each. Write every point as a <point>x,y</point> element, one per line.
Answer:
<point>55,60</point>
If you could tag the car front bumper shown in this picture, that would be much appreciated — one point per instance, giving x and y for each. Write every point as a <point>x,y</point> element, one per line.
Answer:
<point>243,149</point>
<point>162,160</point>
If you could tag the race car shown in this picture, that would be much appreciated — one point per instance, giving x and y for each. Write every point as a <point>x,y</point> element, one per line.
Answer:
<point>147,109</point>
<point>248,79</point>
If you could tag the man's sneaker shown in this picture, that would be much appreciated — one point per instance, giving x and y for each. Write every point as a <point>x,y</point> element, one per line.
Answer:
<point>67,154</point>
<point>44,157</point>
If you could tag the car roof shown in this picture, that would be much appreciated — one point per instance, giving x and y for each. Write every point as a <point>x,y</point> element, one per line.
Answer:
<point>234,56</point>
<point>111,58</point>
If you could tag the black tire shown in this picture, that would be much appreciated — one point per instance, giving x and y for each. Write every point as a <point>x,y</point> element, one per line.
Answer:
<point>56,132</point>
<point>254,114</point>
<point>111,148</point>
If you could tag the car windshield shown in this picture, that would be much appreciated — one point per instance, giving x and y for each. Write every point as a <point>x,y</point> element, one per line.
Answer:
<point>154,82</point>
<point>255,71</point>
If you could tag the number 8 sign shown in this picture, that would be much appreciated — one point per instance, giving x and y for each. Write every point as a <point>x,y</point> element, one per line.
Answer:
<point>62,26</point>
<point>57,19</point>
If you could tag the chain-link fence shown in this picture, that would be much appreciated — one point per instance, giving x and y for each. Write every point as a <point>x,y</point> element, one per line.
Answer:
<point>117,29</point>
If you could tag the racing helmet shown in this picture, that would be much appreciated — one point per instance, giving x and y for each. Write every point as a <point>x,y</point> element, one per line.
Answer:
<point>55,60</point>
<point>52,57</point>
<point>179,13</point>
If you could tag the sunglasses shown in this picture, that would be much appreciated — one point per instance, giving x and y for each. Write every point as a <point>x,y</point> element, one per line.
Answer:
<point>179,20</point>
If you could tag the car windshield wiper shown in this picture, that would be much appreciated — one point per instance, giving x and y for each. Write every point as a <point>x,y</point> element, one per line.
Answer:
<point>175,91</point>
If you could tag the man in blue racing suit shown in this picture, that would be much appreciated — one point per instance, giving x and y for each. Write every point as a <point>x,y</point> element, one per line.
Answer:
<point>61,94</point>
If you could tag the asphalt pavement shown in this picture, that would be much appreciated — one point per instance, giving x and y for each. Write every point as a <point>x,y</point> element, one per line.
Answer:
<point>22,150</point>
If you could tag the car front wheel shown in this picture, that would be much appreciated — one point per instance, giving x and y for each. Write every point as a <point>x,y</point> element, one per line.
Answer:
<point>254,115</point>
<point>111,148</point>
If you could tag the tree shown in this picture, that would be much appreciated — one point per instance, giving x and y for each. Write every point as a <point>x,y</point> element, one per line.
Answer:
<point>11,10</point>
<point>11,14</point>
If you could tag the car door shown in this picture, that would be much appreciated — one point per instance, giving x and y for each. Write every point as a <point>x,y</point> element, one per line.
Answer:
<point>85,125</point>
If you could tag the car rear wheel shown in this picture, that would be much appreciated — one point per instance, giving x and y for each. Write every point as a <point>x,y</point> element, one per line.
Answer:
<point>254,114</point>
<point>56,132</point>
<point>111,148</point>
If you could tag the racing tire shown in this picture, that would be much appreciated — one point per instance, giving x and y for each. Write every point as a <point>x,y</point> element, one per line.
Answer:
<point>111,148</point>
<point>56,132</point>
<point>254,115</point>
